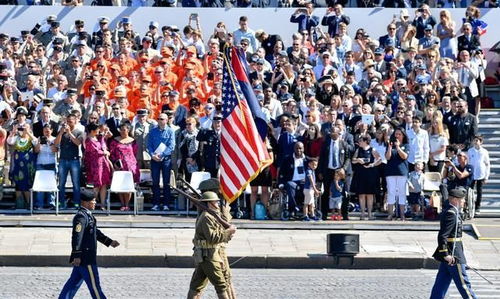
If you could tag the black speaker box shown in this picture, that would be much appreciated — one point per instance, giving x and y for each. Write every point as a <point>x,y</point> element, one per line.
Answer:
<point>342,244</point>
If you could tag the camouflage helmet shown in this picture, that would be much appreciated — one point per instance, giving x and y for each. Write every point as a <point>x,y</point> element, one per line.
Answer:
<point>209,196</point>
<point>209,185</point>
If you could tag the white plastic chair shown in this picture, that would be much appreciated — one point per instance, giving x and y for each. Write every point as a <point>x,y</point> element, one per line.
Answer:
<point>145,176</point>
<point>196,178</point>
<point>69,182</point>
<point>45,181</point>
<point>432,181</point>
<point>122,182</point>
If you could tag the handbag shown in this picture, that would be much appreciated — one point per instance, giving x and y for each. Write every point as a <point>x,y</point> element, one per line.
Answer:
<point>435,201</point>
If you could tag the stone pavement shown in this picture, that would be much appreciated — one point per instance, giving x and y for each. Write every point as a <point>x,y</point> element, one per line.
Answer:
<point>250,248</point>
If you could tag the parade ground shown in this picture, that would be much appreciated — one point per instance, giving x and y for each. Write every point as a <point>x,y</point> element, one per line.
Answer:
<point>156,241</point>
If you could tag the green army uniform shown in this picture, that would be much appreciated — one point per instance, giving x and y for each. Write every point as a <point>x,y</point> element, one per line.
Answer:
<point>214,186</point>
<point>209,237</point>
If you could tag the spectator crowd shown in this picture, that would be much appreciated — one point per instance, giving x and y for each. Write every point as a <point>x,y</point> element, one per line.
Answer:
<point>365,116</point>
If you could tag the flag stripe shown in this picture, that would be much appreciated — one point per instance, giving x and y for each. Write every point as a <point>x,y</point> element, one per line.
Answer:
<point>243,152</point>
<point>232,149</point>
<point>234,131</point>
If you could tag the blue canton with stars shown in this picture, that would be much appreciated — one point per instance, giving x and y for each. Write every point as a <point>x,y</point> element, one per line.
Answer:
<point>229,99</point>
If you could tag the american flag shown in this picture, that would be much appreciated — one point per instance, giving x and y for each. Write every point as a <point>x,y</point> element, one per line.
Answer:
<point>243,153</point>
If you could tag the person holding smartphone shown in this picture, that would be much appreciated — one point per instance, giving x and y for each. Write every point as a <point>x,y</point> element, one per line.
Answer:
<point>22,172</point>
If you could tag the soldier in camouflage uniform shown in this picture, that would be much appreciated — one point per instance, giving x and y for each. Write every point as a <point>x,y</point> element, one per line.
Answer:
<point>209,255</point>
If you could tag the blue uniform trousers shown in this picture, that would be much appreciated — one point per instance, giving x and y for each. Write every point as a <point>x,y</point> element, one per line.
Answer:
<point>445,274</point>
<point>87,273</point>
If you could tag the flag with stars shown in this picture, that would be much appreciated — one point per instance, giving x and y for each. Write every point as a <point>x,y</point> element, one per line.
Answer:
<point>243,152</point>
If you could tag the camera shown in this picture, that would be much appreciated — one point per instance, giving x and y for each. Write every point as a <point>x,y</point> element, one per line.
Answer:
<point>210,76</point>
<point>20,129</point>
<point>43,140</point>
<point>99,93</point>
<point>392,139</point>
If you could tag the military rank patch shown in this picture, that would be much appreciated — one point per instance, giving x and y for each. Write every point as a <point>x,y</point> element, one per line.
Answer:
<point>78,228</point>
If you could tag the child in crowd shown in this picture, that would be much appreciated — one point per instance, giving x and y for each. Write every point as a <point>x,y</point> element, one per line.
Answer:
<point>310,190</point>
<point>336,189</point>
<point>416,186</point>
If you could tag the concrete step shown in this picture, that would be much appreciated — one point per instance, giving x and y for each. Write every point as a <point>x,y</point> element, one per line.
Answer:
<point>492,125</point>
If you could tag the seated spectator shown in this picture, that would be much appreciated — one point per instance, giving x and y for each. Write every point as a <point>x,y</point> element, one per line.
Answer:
<point>292,176</point>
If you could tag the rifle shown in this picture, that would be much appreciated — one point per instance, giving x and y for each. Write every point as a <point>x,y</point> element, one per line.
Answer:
<point>198,204</point>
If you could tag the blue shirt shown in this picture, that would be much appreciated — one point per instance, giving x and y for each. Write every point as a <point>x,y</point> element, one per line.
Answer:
<point>395,165</point>
<point>165,136</point>
<point>309,174</point>
<point>333,189</point>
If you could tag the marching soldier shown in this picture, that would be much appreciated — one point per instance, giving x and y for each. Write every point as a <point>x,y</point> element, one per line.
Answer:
<point>450,251</point>
<point>214,186</point>
<point>208,239</point>
<point>84,250</point>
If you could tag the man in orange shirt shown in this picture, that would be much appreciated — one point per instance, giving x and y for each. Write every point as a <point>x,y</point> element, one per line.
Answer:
<point>99,55</point>
<point>121,100</point>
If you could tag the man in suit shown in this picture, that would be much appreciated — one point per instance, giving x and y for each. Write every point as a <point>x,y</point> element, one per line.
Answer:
<point>333,156</point>
<point>468,41</point>
<point>332,20</point>
<point>468,72</point>
<point>379,63</point>
<point>304,17</point>
<point>114,121</point>
<point>327,126</point>
<point>390,39</point>
<point>45,114</point>
<point>348,116</point>
<point>292,175</point>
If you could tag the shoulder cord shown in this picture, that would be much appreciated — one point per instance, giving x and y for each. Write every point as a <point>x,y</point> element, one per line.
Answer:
<point>456,232</point>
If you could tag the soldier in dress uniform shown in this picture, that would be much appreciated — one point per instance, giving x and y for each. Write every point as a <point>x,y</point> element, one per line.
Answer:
<point>209,146</point>
<point>140,133</point>
<point>84,250</point>
<point>450,250</point>
<point>209,263</point>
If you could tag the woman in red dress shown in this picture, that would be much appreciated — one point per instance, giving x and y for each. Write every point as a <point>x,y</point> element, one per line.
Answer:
<point>97,164</point>
<point>123,155</point>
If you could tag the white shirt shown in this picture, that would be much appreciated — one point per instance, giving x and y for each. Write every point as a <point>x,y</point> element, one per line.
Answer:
<point>46,156</point>
<point>380,149</point>
<point>299,173</point>
<point>57,95</point>
<point>419,146</point>
<point>275,108</point>
<point>480,161</point>
<point>435,143</point>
